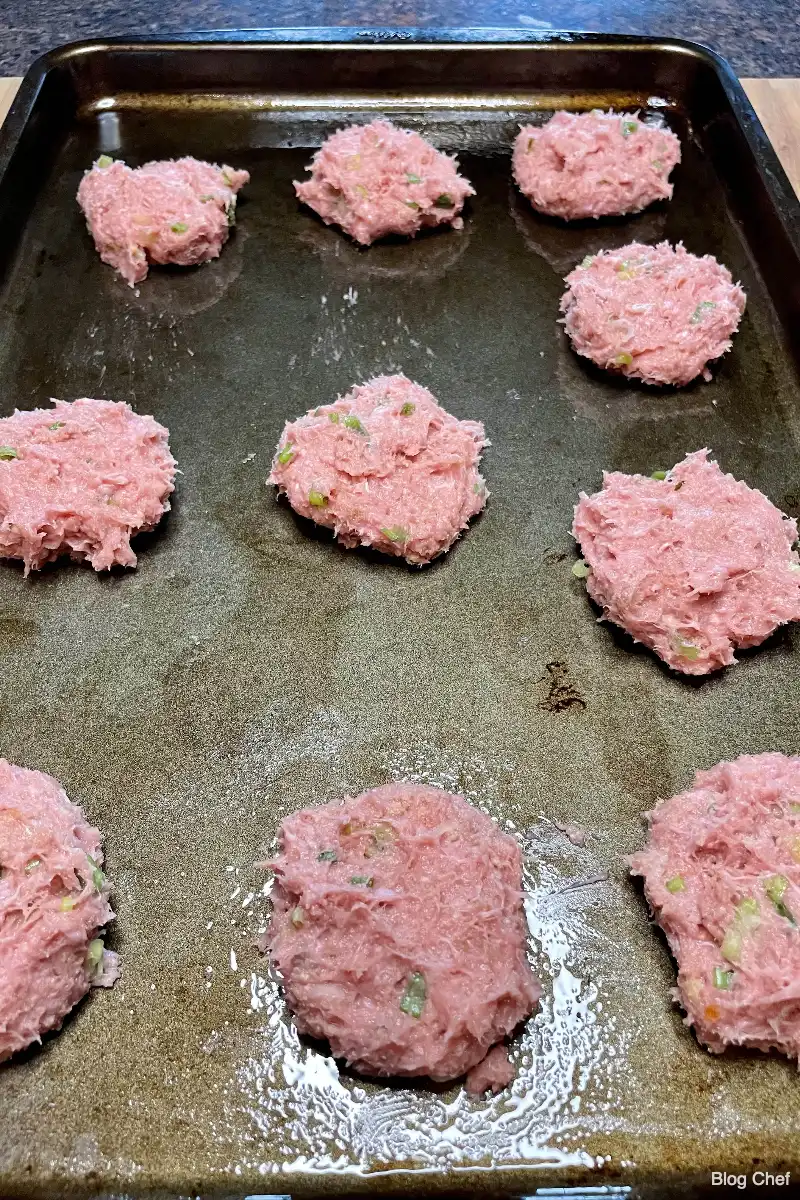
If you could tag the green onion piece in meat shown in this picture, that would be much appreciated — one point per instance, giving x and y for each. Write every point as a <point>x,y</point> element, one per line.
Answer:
<point>443,201</point>
<point>317,499</point>
<point>98,878</point>
<point>7,453</point>
<point>412,204</point>
<point>362,880</point>
<point>94,956</point>
<point>407,409</point>
<point>413,179</point>
<point>327,856</point>
<point>297,917</point>
<point>624,359</point>
<point>776,889</point>
<point>105,160</point>
<point>31,865</point>
<point>659,475</point>
<point>581,569</point>
<point>68,903</point>
<point>722,978</point>
<point>687,650</point>
<point>333,417</point>
<point>703,307</point>
<point>395,533</point>
<point>657,164</point>
<point>286,454</point>
<point>629,127</point>
<point>205,199</point>
<point>56,425</point>
<point>676,884</point>
<point>352,422</point>
<point>179,227</point>
<point>587,262</point>
<point>413,999</point>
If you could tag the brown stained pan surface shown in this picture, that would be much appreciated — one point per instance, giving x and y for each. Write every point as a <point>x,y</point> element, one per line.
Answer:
<point>249,666</point>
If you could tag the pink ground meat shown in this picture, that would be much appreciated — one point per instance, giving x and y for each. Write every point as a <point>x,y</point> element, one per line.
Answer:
<point>376,179</point>
<point>722,876</point>
<point>694,565</point>
<point>53,905</point>
<point>179,211</point>
<point>399,932</point>
<point>594,164</point>
<point>81,479</point>
<point>654,313</point>
<point>384,466</point>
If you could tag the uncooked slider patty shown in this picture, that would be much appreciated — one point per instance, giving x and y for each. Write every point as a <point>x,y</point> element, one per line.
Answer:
<point>178,211</point>
<point>384,466</point>
<point>722,876</point>
<point>695,564</point>
<point>81,478</point>
<point>399,932</point>
<point>53,906</point>
<point>594,164</point>
<point>376,179</point>
<point>654,313</point>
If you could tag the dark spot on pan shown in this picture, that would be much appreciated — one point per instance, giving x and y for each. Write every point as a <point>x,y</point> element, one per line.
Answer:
<point>562,693</point>
<point>551,558</point>
<point>16,630</point>
<point>791,504</point>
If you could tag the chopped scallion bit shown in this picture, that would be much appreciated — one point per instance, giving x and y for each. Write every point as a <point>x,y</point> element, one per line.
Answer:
<point>362,880</point>
<point>179,227</point>
<point>581,569</point>
<point>687,650</point>
<point>327,856</point>
<point>105,160</point>
<point>98,878</point>
<point>286,454</point>
<point>395,533</point>
<point>297,917</point>
<point>7,453</point>
<point>587,262</point>
<point>94,955</point>
<point>624,359</point>
<point>731,947</point>
<point>722,978</point>
<point>412,203</point>
<point>68,903</point>
<point>352,422</point>
<point>31,865</point>
<point>317,499</point>
<point>657,164</point>
<point>413,179</point>
<point>56,425</point>
<point>676,884</point>
<point>407,409</point>
<point>794,808</point>
<point>703,307</point>
<point>659,475</point>
<point>334,417</point>
<point>443,201</point>
<point>776,889</point>
<point>629,127</point>
<point>230,213</point>
<point>413,998</point>
<point>226,179</point>
<point>205,199</point>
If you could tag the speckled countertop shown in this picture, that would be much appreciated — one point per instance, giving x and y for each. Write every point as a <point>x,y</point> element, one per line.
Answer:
<point>760,38</point>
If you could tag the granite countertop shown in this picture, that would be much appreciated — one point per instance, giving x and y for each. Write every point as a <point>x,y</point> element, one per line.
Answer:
<point>761,37</point>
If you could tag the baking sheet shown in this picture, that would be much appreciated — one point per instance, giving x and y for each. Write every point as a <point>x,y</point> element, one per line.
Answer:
<point>249,666</point>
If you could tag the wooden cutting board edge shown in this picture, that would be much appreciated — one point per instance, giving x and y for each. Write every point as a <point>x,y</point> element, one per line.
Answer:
<point>777,102</point>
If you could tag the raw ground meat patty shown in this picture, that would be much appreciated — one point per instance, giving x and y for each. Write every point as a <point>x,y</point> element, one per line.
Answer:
<point>386,467</point>
<point>594,164</point>
<point>179,211</point>
<point>399,931</point>
<point>376,179</point>
<point>53,904</point>
<point>694,565</point>
<point>722,876</point>
<point>81,479</point>
<point>655,313</point>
